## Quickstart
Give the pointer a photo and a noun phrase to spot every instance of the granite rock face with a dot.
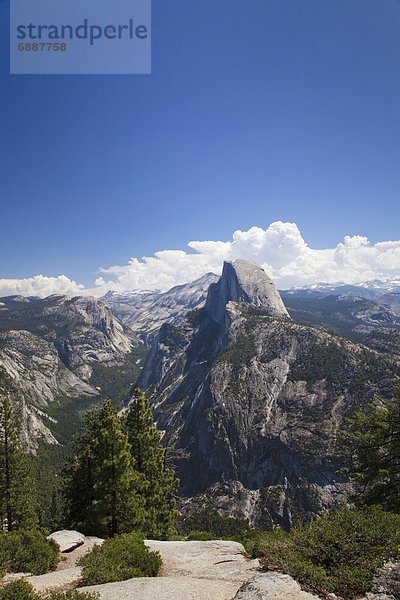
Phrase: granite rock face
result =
(48, 350)
(67, 539)
(191, 571)
(386, 584)
(251, 402)
(273, 585)
(244, 281)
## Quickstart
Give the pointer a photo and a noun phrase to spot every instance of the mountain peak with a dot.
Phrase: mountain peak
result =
(244, 281)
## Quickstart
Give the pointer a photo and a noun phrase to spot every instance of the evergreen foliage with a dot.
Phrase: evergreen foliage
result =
(157, 482)
(118, 481)
(19, 507)
(21, 590)
(197, 535)
(118, 559)
(18, 590)
(208, 520)
(72, 595)
(102, 487)
(339, 552)
(28, 552)
(372, 444)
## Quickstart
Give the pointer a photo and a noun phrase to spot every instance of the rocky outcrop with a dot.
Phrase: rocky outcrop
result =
(197, 570)
(273, 585)
(67, 540)
(386, 585)
(56, 580)
(165, 588)
(191, 570)
(251, 402)
(244, 281)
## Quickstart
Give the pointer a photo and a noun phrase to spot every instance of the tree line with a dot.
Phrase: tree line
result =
(117, 482)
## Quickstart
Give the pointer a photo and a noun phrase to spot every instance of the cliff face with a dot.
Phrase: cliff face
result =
(243, 281)
(251, 402)
(48, 350)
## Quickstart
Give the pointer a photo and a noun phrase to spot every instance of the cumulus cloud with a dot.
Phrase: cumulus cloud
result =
(280, 249)
(40, 286)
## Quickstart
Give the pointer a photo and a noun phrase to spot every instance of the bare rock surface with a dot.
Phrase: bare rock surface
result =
(56, 580)
(191, 571)
(214, 570)
(166, 588)
(220, 560)
(244, 281)
(69, 559)
(67, 540)
(386, 584)
(273, 586)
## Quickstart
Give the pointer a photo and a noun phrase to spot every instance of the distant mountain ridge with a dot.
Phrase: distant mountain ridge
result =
(51, 349)
(372, 289)
(249, 386)
(145, 311)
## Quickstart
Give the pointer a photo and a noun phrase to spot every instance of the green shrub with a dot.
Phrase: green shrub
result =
(119, 558)
(201, 536)
(18, 590)
(258, 542)
(28, 551)
(21, 590)
(210, 520)
(72, 595)
(340, 552)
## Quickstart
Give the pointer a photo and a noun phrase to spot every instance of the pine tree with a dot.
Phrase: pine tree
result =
(372, 448)
(157, 482)
(18, 498)
(102, 489)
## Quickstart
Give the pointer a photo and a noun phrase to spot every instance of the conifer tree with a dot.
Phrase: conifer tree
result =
(18, 499)
(103, 489)
(157, 482)
(372, 445)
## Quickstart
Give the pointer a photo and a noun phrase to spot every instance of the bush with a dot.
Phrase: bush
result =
(340, 552)
(211, 521)
(201, 536)
(119, 558)
(257, 542)
(21, 590)
(18, 590)
(28, 551)
(72, 595)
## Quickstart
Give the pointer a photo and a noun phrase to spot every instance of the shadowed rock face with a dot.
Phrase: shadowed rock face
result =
(251, 402)
(244, 281)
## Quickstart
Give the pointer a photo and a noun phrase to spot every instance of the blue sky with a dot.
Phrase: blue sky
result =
(256, 111)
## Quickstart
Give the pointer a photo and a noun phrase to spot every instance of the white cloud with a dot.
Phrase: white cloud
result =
(280, 249)
(40, 286)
